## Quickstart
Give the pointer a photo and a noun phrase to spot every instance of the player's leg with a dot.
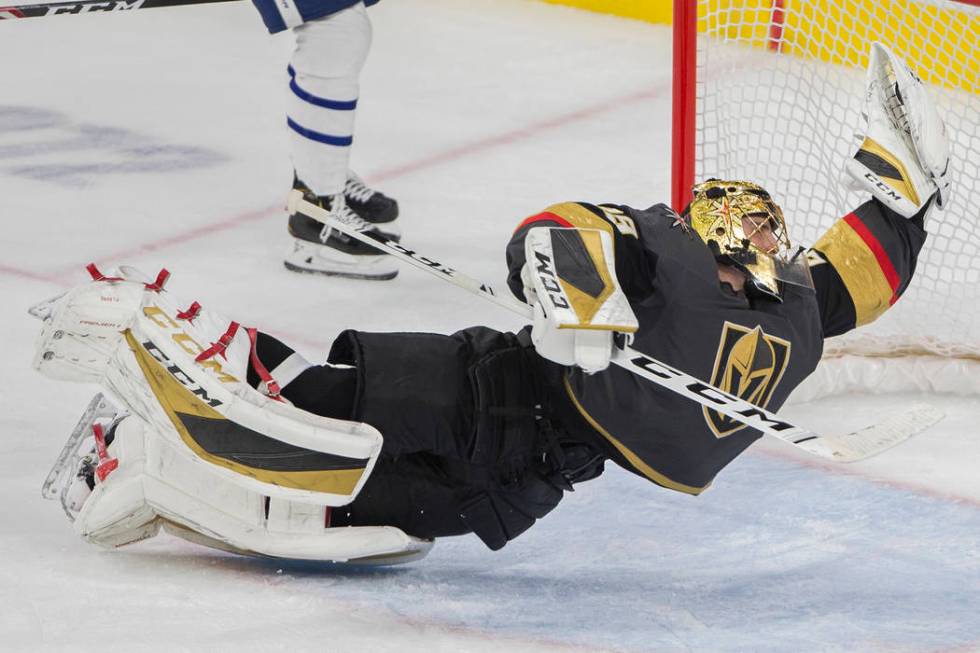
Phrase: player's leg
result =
(471, 444)
(431, 497)
(468, 445)
(422, 389)
(322, 100)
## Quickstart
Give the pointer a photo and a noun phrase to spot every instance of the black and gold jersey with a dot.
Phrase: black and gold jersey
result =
(755, 347)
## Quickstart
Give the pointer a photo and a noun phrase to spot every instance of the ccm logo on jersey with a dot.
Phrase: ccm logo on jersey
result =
(549, 280)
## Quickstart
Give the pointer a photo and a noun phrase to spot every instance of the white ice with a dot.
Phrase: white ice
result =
(156, 138)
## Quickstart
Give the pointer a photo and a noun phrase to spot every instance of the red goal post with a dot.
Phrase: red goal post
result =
(771, 91)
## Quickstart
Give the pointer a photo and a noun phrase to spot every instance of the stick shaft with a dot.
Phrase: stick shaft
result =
(846, 448)
(90, 6)
(640, 364)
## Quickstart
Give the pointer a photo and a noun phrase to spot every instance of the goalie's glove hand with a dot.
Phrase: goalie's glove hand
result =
(570, 281)
(903, 158)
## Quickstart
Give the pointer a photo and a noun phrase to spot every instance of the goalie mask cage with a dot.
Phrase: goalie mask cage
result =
(771, 91)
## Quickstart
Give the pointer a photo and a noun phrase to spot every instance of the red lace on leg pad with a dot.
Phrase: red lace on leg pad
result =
(220, 346)
(272, 387)
(156, 286)
(98, 276)
(106, 464)
(192, 311)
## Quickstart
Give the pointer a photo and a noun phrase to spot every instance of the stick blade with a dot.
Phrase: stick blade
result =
(873, 440)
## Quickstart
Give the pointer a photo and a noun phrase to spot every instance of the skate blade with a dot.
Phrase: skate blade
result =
(101, 408)
(345, 275)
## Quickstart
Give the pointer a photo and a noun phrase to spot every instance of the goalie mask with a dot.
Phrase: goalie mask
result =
(745, 228)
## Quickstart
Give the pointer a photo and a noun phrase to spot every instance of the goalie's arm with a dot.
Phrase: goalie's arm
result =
(863, 264)
(635, 265)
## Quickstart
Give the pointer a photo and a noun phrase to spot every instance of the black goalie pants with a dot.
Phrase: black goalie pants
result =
(469, 444)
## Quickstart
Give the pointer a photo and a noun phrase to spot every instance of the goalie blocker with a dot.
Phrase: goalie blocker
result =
(570, 282)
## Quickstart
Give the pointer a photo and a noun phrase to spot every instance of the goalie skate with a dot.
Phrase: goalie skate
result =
(73, 474)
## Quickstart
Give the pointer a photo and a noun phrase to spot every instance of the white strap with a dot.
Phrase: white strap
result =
(287, 371)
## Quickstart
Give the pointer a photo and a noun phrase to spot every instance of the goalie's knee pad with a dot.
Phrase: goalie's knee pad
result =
(903, 159)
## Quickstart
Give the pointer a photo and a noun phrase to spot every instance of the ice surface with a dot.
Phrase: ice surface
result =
(156, 138)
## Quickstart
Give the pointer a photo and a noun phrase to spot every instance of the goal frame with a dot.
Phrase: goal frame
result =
(684, 90)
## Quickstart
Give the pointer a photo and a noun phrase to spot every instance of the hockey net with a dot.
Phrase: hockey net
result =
(771, 91)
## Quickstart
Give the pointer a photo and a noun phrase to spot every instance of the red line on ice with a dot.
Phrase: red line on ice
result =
(516, 135)
(177, 239)
(27, 274)
(61, 276)
(842, 470)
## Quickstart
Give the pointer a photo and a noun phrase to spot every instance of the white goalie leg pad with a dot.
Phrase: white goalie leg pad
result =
(570, 280)
(158, 483)
(82, 328)
(903, 158)
(183, 372)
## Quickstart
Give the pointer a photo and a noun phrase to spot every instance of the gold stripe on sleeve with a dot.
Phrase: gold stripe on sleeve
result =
(579, 216)
(859, 269)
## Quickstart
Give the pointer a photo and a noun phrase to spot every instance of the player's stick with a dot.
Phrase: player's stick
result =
(845, 448)
(89, 6)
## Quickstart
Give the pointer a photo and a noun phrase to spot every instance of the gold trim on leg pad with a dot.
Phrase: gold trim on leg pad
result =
(225, 443)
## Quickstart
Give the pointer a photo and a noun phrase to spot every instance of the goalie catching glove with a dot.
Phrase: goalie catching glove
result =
(570, 281)
(201, 452)
(903, 159)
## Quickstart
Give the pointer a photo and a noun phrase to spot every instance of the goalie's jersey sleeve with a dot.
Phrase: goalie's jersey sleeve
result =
(756, 348)
(863, 264)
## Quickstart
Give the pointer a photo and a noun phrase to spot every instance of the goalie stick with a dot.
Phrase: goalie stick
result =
(90, 6)
(849, 447)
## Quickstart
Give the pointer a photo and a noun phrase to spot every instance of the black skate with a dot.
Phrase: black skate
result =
(372, 205)
(319, 249)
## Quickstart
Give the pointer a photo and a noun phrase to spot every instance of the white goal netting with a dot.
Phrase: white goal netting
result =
(779, 95)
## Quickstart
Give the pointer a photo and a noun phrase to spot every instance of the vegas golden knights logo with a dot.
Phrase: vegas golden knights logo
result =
(749, 365)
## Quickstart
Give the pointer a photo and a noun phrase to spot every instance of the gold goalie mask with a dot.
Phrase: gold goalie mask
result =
(744, 227)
